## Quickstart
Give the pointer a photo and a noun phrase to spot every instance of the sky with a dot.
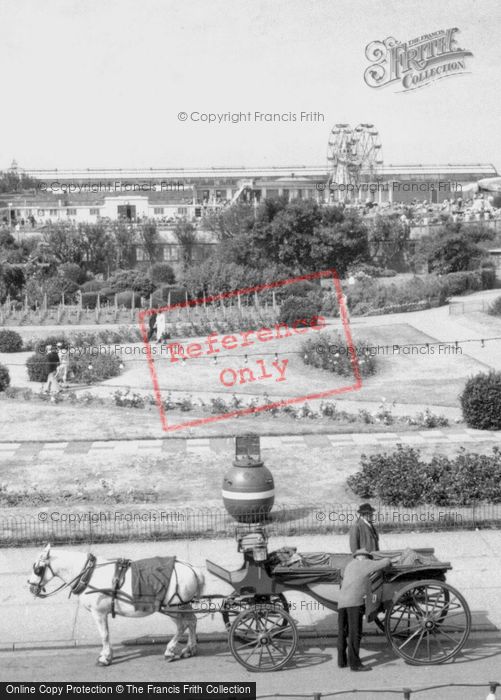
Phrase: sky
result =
(100, 83)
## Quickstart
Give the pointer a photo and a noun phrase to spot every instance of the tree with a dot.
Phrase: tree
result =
(150, 240)
(99, 247)
(12, 281)
(452, 249)
(231, 221)
(341, 244)
(186, 236)
(388, 238)
(124, 240)
(64, 243)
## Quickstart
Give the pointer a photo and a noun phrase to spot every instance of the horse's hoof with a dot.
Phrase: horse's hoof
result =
(103, 663)
(186, 654)
(171, 657)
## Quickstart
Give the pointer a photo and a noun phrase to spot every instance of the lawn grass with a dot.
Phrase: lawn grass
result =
(35, 421)
(180, 479)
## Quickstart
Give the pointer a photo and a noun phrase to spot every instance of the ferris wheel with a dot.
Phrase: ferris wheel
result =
(353, 155)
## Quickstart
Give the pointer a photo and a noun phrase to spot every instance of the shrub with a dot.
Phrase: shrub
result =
(330, 352)
(38, 367)
(488, 275)
(330, 305)
(295, 309)
(10, 341)
(72, 272)
(495, 307)
(481, 401)
(4, 378)
(402, 478)
(461, 282)
(162, 273)
(40, 344)
(89, 300)
(92, 286)
(131, 280)
(89, 367)
(129, 298)
(371, 270)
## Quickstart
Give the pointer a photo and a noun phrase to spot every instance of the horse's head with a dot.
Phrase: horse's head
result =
(42, 573)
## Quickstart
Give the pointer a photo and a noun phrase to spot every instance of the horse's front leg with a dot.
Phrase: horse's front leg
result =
(101, 619)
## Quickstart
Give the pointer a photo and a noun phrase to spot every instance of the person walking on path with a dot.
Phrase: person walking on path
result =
(160, 326)
(52, 385)
(152, 322)
(351, 608)
(362, 533)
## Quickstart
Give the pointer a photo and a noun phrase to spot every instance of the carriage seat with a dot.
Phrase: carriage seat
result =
(312, 567)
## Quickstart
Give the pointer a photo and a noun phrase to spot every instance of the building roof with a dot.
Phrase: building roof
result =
(274, 172)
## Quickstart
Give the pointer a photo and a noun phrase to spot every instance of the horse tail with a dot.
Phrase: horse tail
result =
(199, 574)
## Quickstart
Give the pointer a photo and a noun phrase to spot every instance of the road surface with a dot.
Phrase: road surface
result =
(314, 669)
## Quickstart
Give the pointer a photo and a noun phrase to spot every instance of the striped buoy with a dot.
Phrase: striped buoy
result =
(248, 491)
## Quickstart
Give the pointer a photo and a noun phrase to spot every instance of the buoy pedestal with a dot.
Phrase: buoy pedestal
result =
(248, 486)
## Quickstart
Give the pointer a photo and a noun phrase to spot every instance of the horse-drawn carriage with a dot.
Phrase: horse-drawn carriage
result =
(426, 621)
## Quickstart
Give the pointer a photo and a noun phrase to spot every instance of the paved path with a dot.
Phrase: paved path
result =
(206, 445)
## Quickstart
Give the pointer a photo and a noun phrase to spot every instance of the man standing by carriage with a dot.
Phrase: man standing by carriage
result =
(351, 607)
(363, 534)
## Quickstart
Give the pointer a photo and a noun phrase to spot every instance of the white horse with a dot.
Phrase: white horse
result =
(88, 576)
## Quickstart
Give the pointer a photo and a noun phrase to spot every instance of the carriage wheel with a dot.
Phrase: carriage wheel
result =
(428, 622)
(233, 606)
(263, 638)
(380, 619)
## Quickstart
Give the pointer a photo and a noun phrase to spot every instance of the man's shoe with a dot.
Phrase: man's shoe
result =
(342, 665)
(362, 668)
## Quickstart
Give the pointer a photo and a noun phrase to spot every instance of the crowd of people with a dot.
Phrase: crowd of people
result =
(425, 213)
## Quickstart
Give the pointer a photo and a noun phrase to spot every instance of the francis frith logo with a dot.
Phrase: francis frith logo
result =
(415, 63)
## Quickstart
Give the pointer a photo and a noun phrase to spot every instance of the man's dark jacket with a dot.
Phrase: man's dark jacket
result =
(363, 536)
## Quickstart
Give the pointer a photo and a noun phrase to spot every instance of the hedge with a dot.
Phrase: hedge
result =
(495, 307)
(295, 309)
(86, 367)
(4, 378)
(10, 341)
(38, 367)
(402, 478)
(481, 401)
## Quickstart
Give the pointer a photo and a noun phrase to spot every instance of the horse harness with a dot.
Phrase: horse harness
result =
(77, 585)
(82, 581)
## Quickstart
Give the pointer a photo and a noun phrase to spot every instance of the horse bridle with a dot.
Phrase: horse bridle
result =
(77, 584)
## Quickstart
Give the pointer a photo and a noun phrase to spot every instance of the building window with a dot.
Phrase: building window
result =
(41, 212)
(28, 212)
(198, 212)
(71, 212)
(94, 212)
(52, 212)
(139, 254)
(182, 210)
(158, 211)
(171, 253)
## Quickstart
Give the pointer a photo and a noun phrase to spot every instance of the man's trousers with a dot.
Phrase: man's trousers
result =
(350, 621)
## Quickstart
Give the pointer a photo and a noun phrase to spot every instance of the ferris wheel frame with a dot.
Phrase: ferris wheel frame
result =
(353, 155)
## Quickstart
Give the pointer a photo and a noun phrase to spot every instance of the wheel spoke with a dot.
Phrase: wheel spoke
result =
(408, 639)
(418, 643)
